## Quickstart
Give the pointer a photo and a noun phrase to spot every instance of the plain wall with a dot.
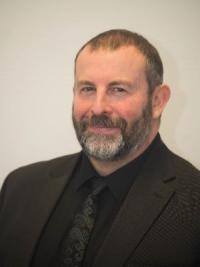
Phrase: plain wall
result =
(38, 42)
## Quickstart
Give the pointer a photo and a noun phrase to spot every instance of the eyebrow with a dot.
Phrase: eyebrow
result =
(113, 83)
(123, 82)
(84, 82)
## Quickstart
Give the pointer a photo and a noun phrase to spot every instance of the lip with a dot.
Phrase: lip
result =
(104, 130)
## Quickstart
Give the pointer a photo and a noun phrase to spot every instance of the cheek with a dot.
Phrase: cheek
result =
(79, 108)
(129, 116)
(129, 111)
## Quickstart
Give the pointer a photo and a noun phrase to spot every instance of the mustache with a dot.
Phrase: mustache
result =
(102, 121)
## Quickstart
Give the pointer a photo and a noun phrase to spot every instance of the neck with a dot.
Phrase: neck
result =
(105, 168)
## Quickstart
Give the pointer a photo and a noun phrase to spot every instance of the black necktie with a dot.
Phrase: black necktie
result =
(76, 241)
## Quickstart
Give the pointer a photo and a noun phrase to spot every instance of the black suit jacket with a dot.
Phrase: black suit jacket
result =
(158, 224)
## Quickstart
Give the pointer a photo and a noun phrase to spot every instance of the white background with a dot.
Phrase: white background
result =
(38, 42)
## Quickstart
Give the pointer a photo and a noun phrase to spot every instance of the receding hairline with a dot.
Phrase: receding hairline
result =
(116, 38)
(112, 40)
(90, 49)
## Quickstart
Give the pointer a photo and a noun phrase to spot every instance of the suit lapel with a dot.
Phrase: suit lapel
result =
(48, 191)
(143, 204)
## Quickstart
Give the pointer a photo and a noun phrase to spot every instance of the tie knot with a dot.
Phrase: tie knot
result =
(98, 184)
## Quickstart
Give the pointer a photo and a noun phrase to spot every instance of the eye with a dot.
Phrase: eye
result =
(87, 89)
(119, 90)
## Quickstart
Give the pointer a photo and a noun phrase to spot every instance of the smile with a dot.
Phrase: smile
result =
(103, 130)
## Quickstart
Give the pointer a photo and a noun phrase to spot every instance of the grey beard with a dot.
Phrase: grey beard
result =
(102, 147)
(113, 147)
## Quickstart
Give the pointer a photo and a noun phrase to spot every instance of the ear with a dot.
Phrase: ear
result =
(160, 98)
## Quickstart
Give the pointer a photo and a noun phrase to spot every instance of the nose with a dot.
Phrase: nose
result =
(101, 104)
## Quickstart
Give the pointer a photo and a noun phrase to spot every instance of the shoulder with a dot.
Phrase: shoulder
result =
(187, 179)
(183, 167)
(39, 170)
(171, 166)
(169, 159)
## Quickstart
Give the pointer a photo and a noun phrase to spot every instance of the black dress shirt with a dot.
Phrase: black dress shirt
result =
(61, 219)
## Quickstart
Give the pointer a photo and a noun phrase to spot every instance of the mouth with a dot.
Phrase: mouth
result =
(103, 130)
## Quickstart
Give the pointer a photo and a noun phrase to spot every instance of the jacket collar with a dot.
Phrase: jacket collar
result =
(145, 201)
(48, 189)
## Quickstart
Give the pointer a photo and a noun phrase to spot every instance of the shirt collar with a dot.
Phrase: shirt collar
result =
(85, 171)
(119, 181)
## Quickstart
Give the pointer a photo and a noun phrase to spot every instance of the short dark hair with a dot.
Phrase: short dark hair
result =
(116, 38)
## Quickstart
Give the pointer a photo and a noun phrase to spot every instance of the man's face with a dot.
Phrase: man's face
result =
(111, 110)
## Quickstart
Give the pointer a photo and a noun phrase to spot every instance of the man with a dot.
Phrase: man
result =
(148, 211)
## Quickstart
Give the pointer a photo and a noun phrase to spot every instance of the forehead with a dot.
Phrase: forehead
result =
(125, 60)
